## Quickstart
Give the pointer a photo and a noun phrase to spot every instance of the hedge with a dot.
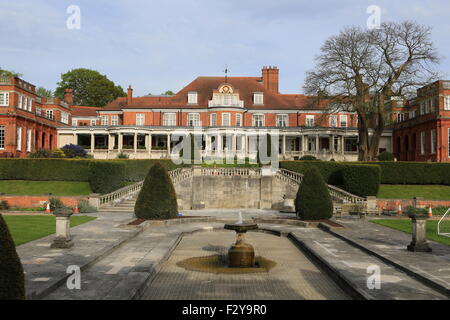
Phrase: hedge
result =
(399, 172)
(137, 170)
(106, 176)
(333, 173)
(362, 180)
(44, 169)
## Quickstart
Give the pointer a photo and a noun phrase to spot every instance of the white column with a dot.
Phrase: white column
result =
(342, 145)
(168, 145)
(120, 142)
(92, 143)
(317, 144)
(149, 143)
(332, 144)
(284, 144)
(135, 142)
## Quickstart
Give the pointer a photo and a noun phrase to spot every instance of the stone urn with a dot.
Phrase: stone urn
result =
(241, 254)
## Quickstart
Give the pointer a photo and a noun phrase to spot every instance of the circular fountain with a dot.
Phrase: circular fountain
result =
(241, 254)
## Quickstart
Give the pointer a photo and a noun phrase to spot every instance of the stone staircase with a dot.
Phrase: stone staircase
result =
(124, 206)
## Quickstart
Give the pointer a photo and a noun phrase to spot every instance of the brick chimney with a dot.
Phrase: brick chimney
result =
(130, 95)
(68, 96)
(270, 78)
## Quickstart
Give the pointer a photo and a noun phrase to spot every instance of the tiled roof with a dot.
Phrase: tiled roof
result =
(81, 111)
(204, 86)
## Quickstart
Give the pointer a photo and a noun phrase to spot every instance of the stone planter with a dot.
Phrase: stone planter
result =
(62, 239)
(419, 241)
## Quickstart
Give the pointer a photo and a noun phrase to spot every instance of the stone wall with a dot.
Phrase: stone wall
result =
(236, 191)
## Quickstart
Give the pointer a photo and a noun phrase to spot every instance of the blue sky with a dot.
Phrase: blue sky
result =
(163, 45)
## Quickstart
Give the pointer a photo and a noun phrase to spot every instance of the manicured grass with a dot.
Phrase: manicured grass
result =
(28, 228)
(57, 188)
(400, 191)
(405, 226)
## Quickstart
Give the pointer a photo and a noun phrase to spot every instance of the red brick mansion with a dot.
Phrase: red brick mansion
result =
(226, 112)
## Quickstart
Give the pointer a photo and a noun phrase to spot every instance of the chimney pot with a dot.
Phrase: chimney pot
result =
(130, 95)
(68, 96)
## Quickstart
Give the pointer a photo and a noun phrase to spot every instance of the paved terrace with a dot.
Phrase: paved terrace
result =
(134, 262)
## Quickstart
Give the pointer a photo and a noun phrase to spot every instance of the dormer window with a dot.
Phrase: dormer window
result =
(192, 97)
(258, 98)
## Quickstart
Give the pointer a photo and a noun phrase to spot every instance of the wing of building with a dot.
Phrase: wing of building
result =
(227, 113)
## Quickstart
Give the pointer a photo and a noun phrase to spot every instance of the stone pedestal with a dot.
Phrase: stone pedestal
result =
(62, 239)
(419, 238)
(241, 254)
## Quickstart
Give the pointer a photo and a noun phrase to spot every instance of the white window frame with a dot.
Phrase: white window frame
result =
(65, 117)
(74, 122)
(258, 120)
(104, 120)
(193, 119)
(19, 105)
(192, 97)
(115, 120)
(30, 104)
(333, 120)
(49, 114)
(343, 121)
(258, 98)
(2, 137)
(213, 119)
(28, 140)
(282, 120)
(93, 122)
(4, 99)
(19, 138)
(309, 120)
(400, 117)
(140, 119)
(433, 141)
(169, 119)
(238, 119)
(446, 102)
(422, 142)
(24, 103)
(227, 116)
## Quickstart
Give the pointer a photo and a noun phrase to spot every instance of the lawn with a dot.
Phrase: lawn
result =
(400, 191)
(28, 228)
(405, 226)
(56, 188)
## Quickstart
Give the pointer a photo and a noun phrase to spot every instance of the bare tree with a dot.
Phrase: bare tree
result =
(361, 70)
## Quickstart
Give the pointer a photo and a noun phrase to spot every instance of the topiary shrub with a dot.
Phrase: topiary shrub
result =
(386, 156)
(362, 180)
(313, 201)
(4, 205)
(308, 158)
(12, 279)
(157, 198)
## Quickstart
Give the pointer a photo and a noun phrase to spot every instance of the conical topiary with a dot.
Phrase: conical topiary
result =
(313, 201)
(12, 279)
(157, 199)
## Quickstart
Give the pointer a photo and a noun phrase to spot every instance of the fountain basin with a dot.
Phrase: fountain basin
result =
(241, 227)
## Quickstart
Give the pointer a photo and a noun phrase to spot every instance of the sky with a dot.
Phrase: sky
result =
(162, 45)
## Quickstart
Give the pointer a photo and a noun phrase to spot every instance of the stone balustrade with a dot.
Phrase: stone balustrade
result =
(230, 172)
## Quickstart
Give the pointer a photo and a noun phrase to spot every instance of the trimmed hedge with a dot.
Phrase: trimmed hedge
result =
(137, 170)
(44, 169)
(362, 180)
(313, 200)
(106, 176)
(399, 172)
(157, 198)
(331, 171)
(12, 278)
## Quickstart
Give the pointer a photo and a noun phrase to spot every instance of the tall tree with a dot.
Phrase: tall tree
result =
(9, 73)
(90, 88)
(41, 91)
(169, 93)
(360, 71)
